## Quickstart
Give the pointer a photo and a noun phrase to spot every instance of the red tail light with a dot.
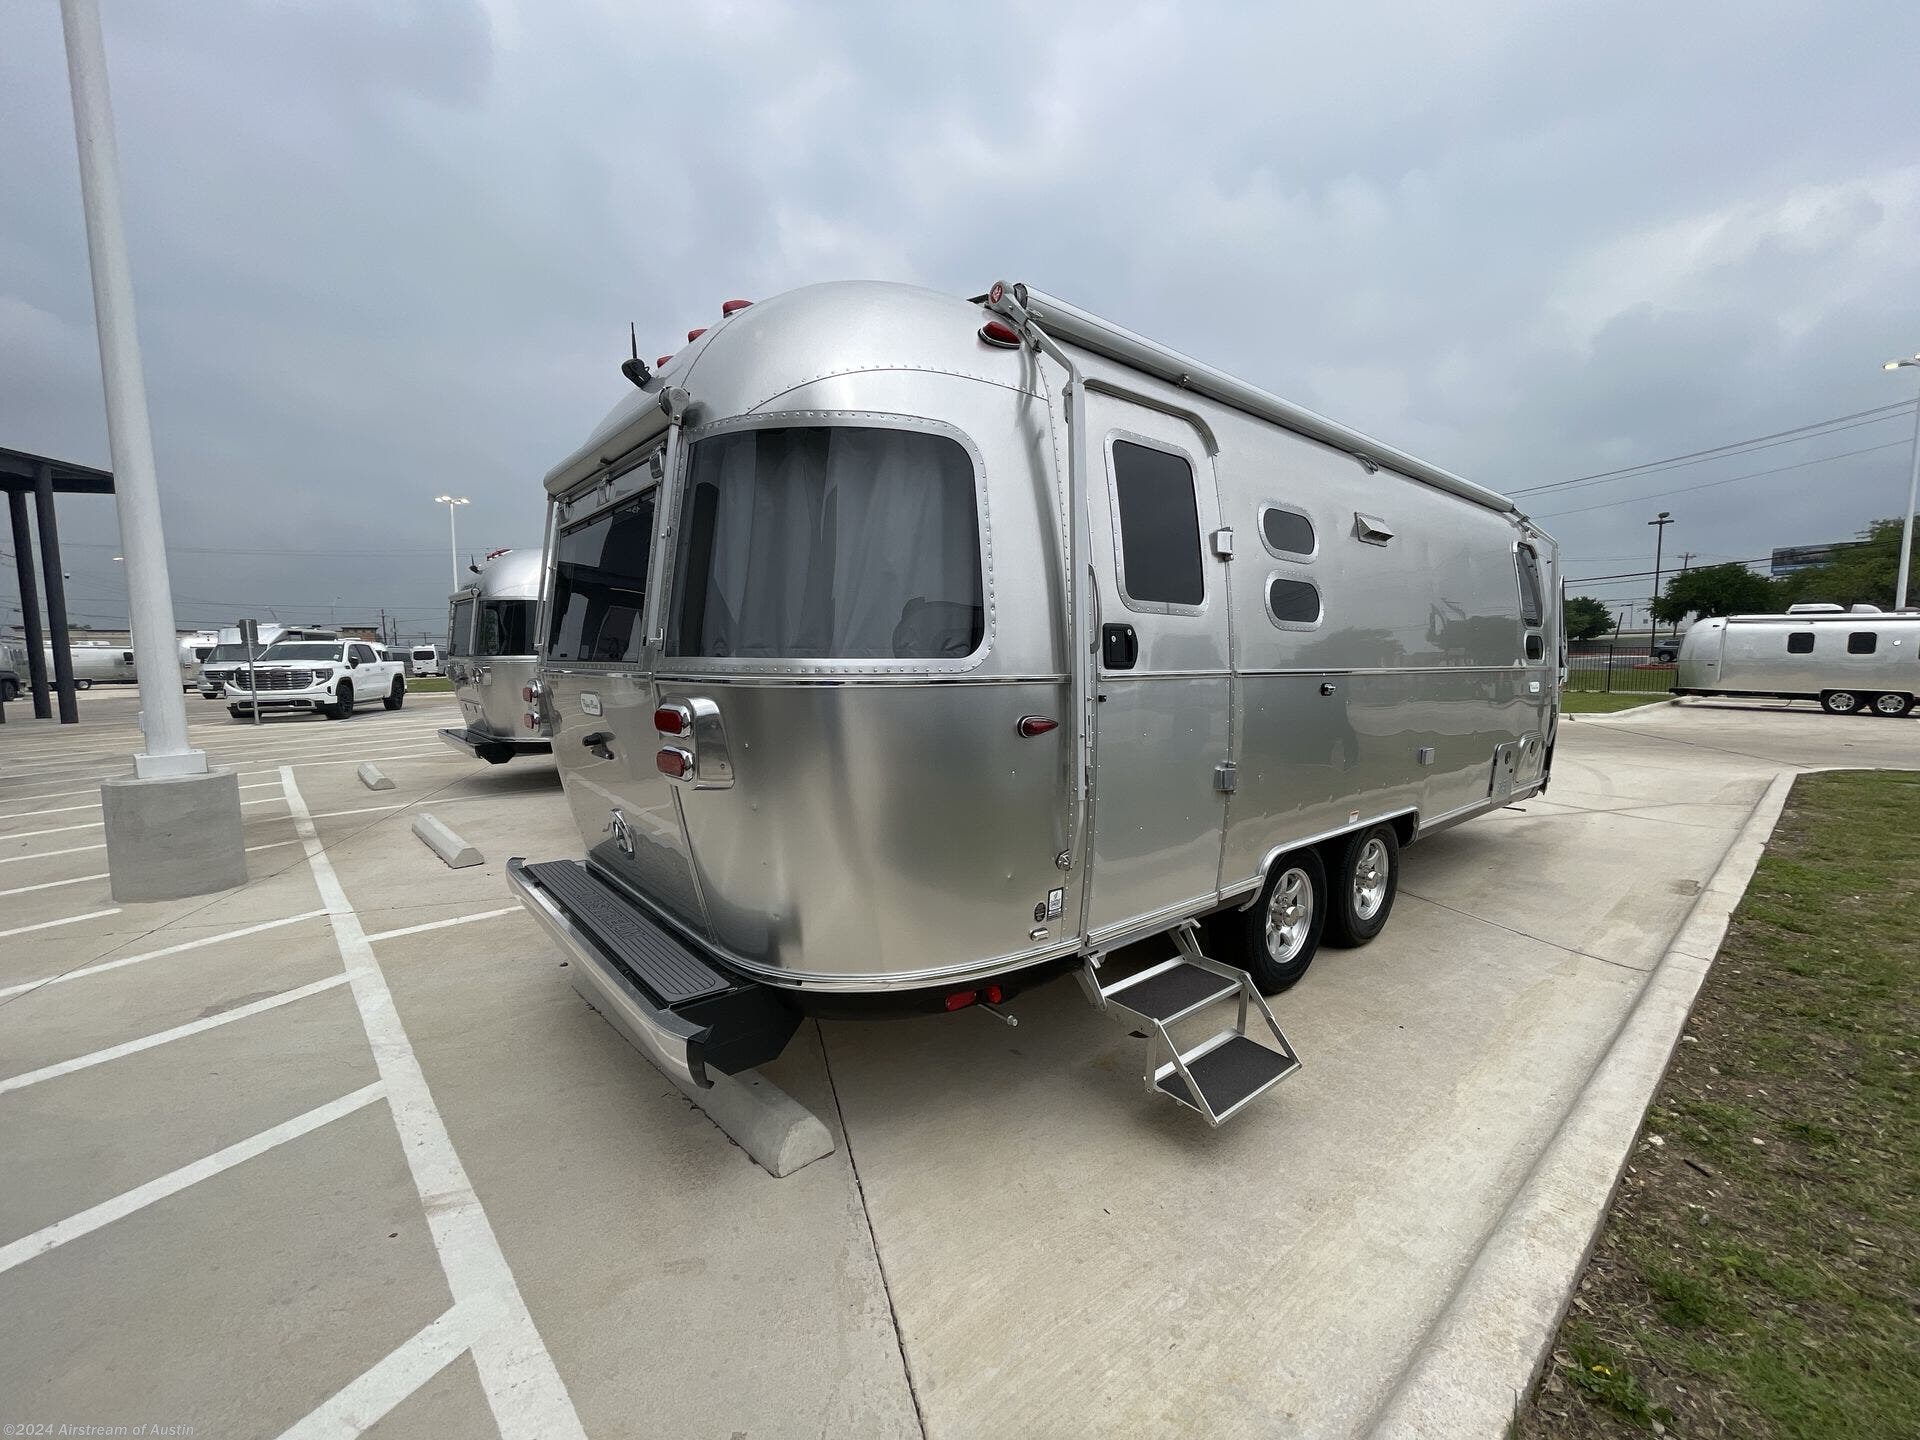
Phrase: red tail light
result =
(530, 720)
(1032, 725)
(993, 994)
(674, 763)
(670, 720)
(663, 362)
(996, 333)
(729, 306)
(960, 999)
(526, 693)
(693, 335)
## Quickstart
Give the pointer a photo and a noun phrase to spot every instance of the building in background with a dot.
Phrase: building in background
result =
(1789, 558)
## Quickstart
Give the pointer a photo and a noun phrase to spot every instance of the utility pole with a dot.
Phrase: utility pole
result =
(172, 827)
(1659, 539)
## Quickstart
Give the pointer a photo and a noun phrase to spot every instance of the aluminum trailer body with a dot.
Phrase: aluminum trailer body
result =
(902, 650)
(1861, 660)
(491, 660)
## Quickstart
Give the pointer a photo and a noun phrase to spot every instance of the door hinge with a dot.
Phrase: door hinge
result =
(1226, 775)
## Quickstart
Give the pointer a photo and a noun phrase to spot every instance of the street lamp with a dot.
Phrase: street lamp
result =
(453, 503)
(1659, 538)
(1913, 496)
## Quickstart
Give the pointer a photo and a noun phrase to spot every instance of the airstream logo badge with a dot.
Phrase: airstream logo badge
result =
(589, 703)
(622, 832)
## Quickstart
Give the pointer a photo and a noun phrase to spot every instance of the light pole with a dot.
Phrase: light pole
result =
(1913, 496)
(1659, 540)
(453, 503)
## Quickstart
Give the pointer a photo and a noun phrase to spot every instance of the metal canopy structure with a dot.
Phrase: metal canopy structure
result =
(44, 477)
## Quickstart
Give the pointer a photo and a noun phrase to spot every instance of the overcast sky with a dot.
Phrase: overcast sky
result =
(384, 249)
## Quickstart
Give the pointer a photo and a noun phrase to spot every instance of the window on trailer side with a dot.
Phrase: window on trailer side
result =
(1863, 642)
(1159, 526)
(1800, 643)
(600, 584)
(1533, 601)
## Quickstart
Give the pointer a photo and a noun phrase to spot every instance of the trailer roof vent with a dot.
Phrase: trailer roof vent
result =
(1815, 608)
(1369, 530)
(1865, 609)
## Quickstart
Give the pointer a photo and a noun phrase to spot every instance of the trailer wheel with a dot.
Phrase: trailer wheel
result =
(398, 694)
(1839, 702)
(1892, 706)
(1366, 878)
(1276, 939)
(343, 702)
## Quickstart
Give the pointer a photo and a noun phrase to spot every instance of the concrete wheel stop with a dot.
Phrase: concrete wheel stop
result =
(373, 777)
(443, 842)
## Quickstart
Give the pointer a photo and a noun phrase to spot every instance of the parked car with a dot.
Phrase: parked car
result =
(328, 676)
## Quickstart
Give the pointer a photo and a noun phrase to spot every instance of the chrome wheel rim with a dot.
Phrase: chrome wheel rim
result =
(1890, 704)
(1842, 701)
(1289, 915)
(1370, 879)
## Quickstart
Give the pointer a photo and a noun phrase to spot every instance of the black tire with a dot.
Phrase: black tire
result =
(9, 692)
(1839, 702)
(1366, 878)
(1893, 706)
(1241, 936)
(83, 684)
(343, 702)
(236, 712)
(397, 696)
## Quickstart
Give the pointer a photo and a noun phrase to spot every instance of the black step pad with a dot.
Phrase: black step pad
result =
(659, 961)
(1230, 1072)
(1172, 992)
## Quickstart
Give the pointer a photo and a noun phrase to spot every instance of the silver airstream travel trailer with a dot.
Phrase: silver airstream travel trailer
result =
(904, 650)
(1859, 660)
(490, 659)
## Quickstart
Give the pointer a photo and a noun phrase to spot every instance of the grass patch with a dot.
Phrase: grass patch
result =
(430, 685)
(1759, 1273)
(1586, 702)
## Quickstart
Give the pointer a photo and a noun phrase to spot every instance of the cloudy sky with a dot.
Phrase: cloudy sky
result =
(386, 248)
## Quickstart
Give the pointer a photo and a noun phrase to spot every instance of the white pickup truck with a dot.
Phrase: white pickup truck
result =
(330, 676)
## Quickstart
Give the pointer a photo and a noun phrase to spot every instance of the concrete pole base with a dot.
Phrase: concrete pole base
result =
(174, 836)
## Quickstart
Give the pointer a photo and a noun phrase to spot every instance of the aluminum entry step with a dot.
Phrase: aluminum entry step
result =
(1169, 991)
(673, 973)
(1230, 1070)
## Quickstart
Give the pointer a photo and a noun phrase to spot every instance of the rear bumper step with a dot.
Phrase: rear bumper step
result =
(482, 745)
(683, 1013)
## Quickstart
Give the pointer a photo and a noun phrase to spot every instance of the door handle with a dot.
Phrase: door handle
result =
(596, 741)
(1119, 647)
(1327, 688)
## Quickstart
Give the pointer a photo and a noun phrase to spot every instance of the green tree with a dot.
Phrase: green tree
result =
(1730, 589)
(1587, 618)
(1862, 575)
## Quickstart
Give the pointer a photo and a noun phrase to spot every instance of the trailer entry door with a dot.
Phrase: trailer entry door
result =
(1162, 682)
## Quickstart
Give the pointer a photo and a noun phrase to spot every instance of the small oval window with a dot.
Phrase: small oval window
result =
(1287, 532)
(1293, 602)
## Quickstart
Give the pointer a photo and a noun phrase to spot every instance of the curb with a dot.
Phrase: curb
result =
(1480, 1355)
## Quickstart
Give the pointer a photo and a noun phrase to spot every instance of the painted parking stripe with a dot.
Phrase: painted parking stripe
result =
(95, 805)
(182, 947)
(353, 1410)
(29, 1247)
(96, 824)
(55, 924)
(444, 924)
(523, 1389)
(162, 1037)
(54, 884)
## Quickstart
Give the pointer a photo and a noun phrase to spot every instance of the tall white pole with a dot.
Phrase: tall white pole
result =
(136, 491)
(453, 542)
(1906, 521)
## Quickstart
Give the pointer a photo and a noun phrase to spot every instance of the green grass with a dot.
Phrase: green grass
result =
(1586, 702)
(430, 685)
(1759, 1273)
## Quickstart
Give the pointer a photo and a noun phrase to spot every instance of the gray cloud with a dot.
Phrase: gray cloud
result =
(386, 249)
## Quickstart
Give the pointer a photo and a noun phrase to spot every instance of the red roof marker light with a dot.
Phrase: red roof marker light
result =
(693, 335)
(729, 306)
(1000, 335)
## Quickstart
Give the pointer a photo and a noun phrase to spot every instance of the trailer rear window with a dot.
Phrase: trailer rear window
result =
(829, 542)
(600, 584)
(1800, 643)
(1533, 599)
(1159, 526)
(1862, 642)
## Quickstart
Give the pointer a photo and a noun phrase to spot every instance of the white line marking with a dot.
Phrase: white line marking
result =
(424, 751)
(96, 824)
(161, 1037)
(69, 794)
(126, 960)
(54, 884)
(49, 854)
(443, 924)
(363, 1402)
(29, 1247)
(265, 819)
(54, 924)
(523, 1389)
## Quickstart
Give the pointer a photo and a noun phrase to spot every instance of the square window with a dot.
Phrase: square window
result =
(1800, 643)
(1862, 642)
(1159, 526)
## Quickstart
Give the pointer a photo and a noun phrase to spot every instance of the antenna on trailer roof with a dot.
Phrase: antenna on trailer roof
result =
(636, 368)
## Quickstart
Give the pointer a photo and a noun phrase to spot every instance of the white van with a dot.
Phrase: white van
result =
(425, 660)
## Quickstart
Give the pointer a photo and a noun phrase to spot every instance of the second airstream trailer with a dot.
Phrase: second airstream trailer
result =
(1851, 661)
(903, 651)
(490, 659)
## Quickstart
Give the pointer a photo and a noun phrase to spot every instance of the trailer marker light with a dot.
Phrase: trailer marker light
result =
(1032, 725)
(693, 335)
(993, 994)
(530, 720)
(960, 999)
(674, 763)
(670, 720)
(997, 334)
(727, 307)
(662, 362)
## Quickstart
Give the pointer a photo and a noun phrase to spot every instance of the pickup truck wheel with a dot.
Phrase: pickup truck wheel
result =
(397, 696)
(343, 701)
(236, 711)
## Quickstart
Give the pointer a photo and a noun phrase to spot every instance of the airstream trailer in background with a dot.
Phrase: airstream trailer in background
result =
(490, 659)
(902, 651)
(1864, 659)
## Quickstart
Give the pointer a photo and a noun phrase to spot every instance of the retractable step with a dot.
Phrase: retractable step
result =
(1220, 1075)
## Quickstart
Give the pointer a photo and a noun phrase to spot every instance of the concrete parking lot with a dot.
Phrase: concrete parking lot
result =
(342, 1153)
